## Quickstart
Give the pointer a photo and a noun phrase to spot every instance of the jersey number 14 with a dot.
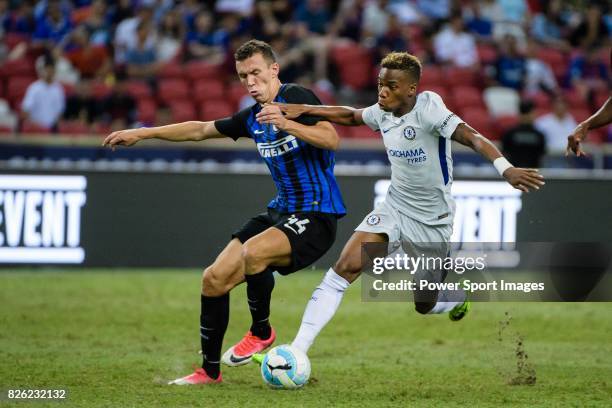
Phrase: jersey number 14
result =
(296, 225)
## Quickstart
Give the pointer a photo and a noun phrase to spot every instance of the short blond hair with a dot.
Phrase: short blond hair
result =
(405, 62)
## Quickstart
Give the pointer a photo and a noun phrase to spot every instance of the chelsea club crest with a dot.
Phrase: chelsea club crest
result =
(409, 133)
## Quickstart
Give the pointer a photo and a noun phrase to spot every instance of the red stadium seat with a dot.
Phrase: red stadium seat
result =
(504, 123)
(552, 57)
(147, 111)
(100, 90)
(171, 69)
(101, 128)
(363, 132)
(12, 39)
(487, 54)
(138, 89)
(541, 100)
(68, 89)
(479, 119)
(5, 131)
(19, 67)
(579, 114)
(73, 127)
(460, 77)
(601, 98)
(575, 100)
(325, 96)
(196, 70)
(213, 110)
(431, 76)
(32, 128)
(182, 110)
(354, 64)
(208, 89)
(169, 89)
(467, 97)
(17, 87)
(235, 93)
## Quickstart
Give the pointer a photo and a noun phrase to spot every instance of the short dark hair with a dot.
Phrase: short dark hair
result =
(403, 61)
(252, 47)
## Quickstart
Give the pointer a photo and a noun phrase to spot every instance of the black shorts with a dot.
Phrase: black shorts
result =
(310, 234)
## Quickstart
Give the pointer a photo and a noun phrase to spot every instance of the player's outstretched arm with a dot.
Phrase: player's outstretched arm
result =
(322, 134)
(178, 132)
(600, 118)
(521, 179)
(342, 115)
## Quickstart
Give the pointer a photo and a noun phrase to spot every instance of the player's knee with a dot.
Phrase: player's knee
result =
(253, 261)
(348, 268)
(423, 307)
(214, 283)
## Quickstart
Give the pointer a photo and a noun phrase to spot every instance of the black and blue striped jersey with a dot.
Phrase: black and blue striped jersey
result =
(303, 173)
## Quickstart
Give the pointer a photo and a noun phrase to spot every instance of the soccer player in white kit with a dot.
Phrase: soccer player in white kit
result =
(417, 130)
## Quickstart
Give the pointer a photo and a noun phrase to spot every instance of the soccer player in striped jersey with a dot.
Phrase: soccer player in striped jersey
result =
(417, 130)
(299, 225)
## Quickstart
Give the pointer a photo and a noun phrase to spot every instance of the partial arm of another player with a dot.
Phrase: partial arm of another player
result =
(342, 115)
(321, 135)
(521, 179)
(178, 132)
(600, 118)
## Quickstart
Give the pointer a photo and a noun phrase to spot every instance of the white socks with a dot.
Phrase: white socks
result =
(320, 309)
(443, 305)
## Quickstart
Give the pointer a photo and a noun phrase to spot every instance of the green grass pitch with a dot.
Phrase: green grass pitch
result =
(114, 338)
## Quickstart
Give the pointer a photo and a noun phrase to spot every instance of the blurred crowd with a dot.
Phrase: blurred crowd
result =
(82, 66)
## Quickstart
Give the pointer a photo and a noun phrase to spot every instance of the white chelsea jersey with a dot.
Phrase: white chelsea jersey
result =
(419, 148)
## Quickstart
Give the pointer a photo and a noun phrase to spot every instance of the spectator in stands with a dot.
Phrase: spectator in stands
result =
(524, 145)
(118, 108)
(44, 100)
(435, 9)
(588, 73)
(271, 19)
(53, 27)
(376, 17)
(126, 33)
(556, 126)
(507, 16)
(314, 15)
(406, 12)
(98, 23)
(477, 23)
(548, 27)
(592, 31)
(22, 20)
(511, 65)
(242, 7)
(204, 42)
(392, 40)
(455, 46)
(91, 61)
(348, 21)
(80, 103)
(538, 74)
(141, 59)
(171, 36)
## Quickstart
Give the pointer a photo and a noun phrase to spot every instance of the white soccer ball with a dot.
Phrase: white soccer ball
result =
(285, 367)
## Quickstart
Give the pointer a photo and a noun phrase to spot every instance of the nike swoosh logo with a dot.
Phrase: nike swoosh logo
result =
(259, 132)
(235, 359)
(385, 130)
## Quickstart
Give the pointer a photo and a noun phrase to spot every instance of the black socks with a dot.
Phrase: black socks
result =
(259, 292)
(214, 316)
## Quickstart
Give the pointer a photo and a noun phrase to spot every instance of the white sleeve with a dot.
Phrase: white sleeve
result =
(371, 116)
(28, 100)
(437, 116)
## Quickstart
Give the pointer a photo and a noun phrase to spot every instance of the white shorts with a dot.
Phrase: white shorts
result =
(398, 227)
